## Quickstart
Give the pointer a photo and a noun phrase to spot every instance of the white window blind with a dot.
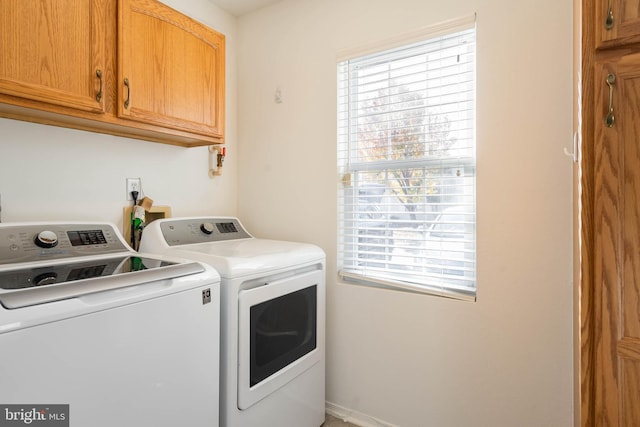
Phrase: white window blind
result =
(406, 158)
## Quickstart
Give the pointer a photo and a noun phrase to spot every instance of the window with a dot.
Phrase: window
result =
(406, 158)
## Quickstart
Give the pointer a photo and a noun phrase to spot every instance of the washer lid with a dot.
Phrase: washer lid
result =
(33, 285)
(237, 258)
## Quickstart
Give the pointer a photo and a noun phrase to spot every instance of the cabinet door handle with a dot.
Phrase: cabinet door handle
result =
(608, 23)
(126, 101)
(611, 82)
(99, 94)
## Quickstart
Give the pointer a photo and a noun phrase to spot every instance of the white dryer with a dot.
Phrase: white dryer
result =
(272, 319)
(94, 334)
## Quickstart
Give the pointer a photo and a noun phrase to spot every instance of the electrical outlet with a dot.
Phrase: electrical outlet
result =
(134, 184)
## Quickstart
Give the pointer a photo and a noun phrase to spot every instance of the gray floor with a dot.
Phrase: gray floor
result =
(332, 421)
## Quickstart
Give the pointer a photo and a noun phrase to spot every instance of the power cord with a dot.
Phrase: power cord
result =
(134, 196)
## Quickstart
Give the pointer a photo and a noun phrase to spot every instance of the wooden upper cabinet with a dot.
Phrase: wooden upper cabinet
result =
(170, 69)
(54, 52)
(617, 22)
(65, 63)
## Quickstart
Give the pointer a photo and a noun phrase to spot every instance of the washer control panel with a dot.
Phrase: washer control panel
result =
(202, 230)
(37, 242)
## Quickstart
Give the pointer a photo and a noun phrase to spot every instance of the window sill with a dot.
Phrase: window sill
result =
(376, 282)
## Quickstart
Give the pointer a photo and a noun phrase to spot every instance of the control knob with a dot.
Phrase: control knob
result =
(46, 239)
(206, 228)
(44, 279)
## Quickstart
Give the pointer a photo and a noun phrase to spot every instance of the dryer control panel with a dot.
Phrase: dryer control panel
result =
(201, 230)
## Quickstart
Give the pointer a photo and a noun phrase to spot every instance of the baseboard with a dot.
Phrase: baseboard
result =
(355, 417)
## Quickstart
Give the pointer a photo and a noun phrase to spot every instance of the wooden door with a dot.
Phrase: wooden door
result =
(617, 242)
(617, 22)
(170, 69)
(54, 51)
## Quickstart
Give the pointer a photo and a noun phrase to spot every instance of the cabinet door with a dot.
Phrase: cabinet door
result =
(617, 22)
(617, 242)
(54, 51)
(170, 69)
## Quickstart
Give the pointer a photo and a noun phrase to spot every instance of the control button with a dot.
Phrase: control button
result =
(14, 248)
(43, 279)
(46, 239)
(206, 228)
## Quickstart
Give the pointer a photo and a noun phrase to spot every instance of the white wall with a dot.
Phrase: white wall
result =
(407, 359)
(50, 173)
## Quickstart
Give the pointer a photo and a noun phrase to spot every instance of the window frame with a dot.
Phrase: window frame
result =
(347, 169)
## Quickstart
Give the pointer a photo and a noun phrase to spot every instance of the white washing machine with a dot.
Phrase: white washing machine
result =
(272, 319)
(95, 334)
